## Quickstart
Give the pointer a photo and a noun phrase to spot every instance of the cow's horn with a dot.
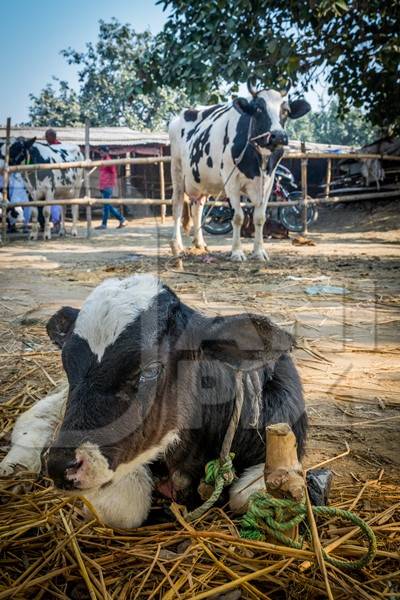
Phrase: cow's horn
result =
(287, 88)
(251, 87)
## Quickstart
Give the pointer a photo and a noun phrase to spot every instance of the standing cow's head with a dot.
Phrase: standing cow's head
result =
(131, 355)
(19, 150)
(269, 111)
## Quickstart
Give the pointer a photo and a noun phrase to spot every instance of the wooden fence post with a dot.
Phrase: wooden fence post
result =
(87, 181)
(6, 177)
(304, 163)
(162, 191)
(328, 178)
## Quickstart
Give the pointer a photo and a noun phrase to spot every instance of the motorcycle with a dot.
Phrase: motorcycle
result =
(217, 220)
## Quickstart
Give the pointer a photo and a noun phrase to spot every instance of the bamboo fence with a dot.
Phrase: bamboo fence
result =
(304, 156)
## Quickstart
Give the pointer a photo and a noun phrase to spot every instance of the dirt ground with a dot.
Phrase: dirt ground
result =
(348, 342)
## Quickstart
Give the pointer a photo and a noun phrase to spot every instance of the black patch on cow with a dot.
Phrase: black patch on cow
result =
(207, 148)
(274, 159)
(222, 164)
(226, 137)
(210, 110)
(182, 132)
(191, 114)
(209, 162)
(197, 152)
(250, 160)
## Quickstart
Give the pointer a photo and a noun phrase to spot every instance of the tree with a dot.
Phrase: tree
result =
(355, 44)
(324, 127)
(55, 107)
(109, 86)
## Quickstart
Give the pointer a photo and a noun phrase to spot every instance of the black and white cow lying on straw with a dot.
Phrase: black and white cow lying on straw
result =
(150, 380)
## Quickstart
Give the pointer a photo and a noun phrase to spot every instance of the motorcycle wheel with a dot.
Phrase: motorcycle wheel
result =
(291, 217)
(218, 220)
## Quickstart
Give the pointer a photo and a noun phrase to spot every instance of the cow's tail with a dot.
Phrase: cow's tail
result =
(187, 221)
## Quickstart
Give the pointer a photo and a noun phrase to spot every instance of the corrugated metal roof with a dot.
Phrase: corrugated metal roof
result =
(124, 136)
(112, 136)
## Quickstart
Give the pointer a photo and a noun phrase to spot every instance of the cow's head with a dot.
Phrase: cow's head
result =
(269, 111)
(131, 355)
(19, 150)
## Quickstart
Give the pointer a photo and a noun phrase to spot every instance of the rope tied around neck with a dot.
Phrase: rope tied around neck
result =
(220, 472)
(271, 516)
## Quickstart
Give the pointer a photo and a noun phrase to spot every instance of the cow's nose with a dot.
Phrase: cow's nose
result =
(62, 467)
(278, 138)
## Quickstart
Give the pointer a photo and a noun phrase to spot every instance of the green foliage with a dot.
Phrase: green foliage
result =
(325, 127)
(111, 92)
(55, 107)
(354, 43)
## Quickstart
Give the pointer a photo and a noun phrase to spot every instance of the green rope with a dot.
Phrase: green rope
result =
(219, 474)
(275, 516)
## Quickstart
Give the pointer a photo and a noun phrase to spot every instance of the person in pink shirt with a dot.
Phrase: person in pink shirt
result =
(107, 181)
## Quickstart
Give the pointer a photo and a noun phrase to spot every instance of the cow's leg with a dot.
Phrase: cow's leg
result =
(259, 218)
(75, 218)
(62, 221)
(35, 224)
(47, 228)
(197, 224)
(252, 480)
(125, 503)
(33, 432)
(177, 203)
(237, 222)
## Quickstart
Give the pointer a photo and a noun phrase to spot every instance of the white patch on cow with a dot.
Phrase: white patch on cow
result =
(125, 503)
(252, 480)
(148, 456)
(33, 432)
(94, 470)
(273, 101)
(112, 306)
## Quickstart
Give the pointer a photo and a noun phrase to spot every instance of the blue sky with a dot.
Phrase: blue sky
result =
(34, 32)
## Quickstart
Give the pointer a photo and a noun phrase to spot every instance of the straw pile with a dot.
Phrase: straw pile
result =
(49, 550)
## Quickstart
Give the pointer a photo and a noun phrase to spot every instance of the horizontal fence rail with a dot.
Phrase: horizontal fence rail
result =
(90, 164)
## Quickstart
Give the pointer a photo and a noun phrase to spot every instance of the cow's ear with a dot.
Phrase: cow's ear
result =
(243, 105)
(245, 341)
(298, 108)
(61, 324)
(29, 143)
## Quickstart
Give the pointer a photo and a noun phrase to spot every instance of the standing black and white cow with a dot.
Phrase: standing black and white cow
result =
(149, 378)
(232, 148)
(47, 185)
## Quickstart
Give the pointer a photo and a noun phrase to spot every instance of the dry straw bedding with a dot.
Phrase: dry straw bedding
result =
(49, 550)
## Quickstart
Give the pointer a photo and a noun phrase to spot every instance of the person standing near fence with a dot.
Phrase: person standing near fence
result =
(55, 210)
(107, 181)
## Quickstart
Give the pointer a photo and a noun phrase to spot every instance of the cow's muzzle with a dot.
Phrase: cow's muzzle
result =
(83, 468)
(277, 138)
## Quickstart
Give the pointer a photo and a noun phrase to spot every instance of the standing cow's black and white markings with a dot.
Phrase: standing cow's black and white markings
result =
(232, 148)
(151, 379)
(47, 185)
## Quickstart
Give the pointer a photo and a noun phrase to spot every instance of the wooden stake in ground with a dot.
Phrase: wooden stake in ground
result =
(283, 473)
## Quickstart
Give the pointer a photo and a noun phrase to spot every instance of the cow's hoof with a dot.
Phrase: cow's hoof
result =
(33, 237)
(62, 233)
(6, 468)
(74, 232)
(47, 236)
(176, 248)
(238, 256)
(198, 250)
(260, 255)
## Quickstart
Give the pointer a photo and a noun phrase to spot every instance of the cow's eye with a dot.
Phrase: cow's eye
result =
(151, 372)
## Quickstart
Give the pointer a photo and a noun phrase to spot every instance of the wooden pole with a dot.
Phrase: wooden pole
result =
(6, 178)
(328, 178)
(162, 191)
(87, 181)
(304, 162)
(283, 473)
